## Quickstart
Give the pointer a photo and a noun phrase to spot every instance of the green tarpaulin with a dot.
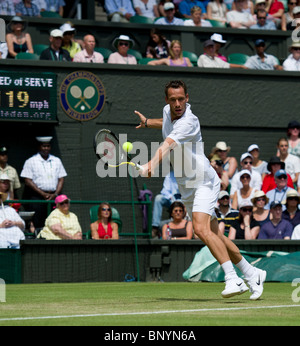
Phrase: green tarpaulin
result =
(280, 266)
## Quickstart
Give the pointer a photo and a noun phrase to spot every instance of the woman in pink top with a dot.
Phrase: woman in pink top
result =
(175, 59)
(123, 43)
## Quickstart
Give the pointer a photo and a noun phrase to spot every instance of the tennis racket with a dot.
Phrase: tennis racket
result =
(108, 149)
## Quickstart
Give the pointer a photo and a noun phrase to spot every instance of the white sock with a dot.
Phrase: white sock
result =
(246, 268)
(229, 271)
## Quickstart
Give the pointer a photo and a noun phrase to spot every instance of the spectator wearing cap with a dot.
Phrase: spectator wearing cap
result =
(27, 8)
(55, 52)
(277, 227)
(260, 213)
(292, 211)
(293, 133)
(122, 43)
(119, 10)
(68, 42)
(255, 182)
(288, 16)
(296, 15)
(262, 61)
(279, 193)
(169, 18)
(8, 170)
(292, 162)
(276, 9)
(185, 7)
(5, 183)
(269, 181)
(230, 164)
(216, 10)
(258, 165)
(292, 62)
(209, 59)
(245, 226)
(196, 20)
(44, 179)
(262, 23)
(225, 213)
(219, 43)
(238, 18)
(61, 223)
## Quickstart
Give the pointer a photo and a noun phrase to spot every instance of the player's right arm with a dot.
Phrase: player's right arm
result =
(151, 123)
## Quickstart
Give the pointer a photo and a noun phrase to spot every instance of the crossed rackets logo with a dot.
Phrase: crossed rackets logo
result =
(87, 94)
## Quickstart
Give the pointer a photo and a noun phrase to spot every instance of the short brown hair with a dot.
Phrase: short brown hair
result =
(175, 84)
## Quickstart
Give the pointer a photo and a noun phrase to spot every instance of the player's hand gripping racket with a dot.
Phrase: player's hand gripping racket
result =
(108, 149)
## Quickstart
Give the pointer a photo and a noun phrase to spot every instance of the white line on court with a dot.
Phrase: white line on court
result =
(149, 312)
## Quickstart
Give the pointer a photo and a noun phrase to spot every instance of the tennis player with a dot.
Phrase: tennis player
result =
(200, 190)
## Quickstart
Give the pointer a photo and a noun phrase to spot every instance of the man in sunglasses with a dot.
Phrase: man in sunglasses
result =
(262, 61)
(262, 22)
(255, 182)
(292, 63)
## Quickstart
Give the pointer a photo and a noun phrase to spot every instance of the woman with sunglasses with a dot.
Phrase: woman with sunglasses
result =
(122, 43)
(245, 227)
(104, 227)
(292, 212)
(61, 223)
(260, 214)
(244, 193)
(179, 227)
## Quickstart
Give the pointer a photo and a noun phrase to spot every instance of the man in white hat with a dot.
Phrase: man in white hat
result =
(122, 43)
(292, 62)
(119, 10)
(8, 170)
(255, 182)
(55, 52)
(44, 179)
(169, 18)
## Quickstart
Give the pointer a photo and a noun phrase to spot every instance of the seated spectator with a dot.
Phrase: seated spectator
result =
(216, 10)
(41, 4)
(55, 52)
(222, 174)
(158, 45)
(104, 227)
(257, 164)
(5, 186)
(88, 54)
(276, 9)
(119, 10)
(168, 195)
(179, 227)
(55, 6)
(255, 182)
(176, 58)
(246, 192)
(293, 134)
(196, 20)
(262, 22)
(273, 166)
(27, 8)
(277, 227)
(185, 7)
(169, 18)
(18, 40)
(292, 211)
(292, 162)
(288, 16)
(146, 8)
(281, 189)
(68, 42)
(293, 24)
(248, 7)
(292, 62)
(122, 43)
(208, 59)
(219, 43)
(7, 8)
(61, 223)
(230, 164)
(260, 213)
(262, 61)
(245, 227)
(3, 50)
(11, 226)
(225, 213)
(238, 18)
(296, 233)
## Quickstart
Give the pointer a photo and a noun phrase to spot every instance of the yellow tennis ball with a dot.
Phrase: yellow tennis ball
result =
(127, 147)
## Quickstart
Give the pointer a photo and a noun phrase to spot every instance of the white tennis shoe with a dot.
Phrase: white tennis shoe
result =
(233, 287)
(256, 283)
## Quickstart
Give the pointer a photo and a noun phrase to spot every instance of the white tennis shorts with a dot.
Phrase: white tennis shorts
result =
(201, 199)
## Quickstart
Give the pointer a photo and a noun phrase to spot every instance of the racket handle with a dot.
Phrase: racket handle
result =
(138, 167)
